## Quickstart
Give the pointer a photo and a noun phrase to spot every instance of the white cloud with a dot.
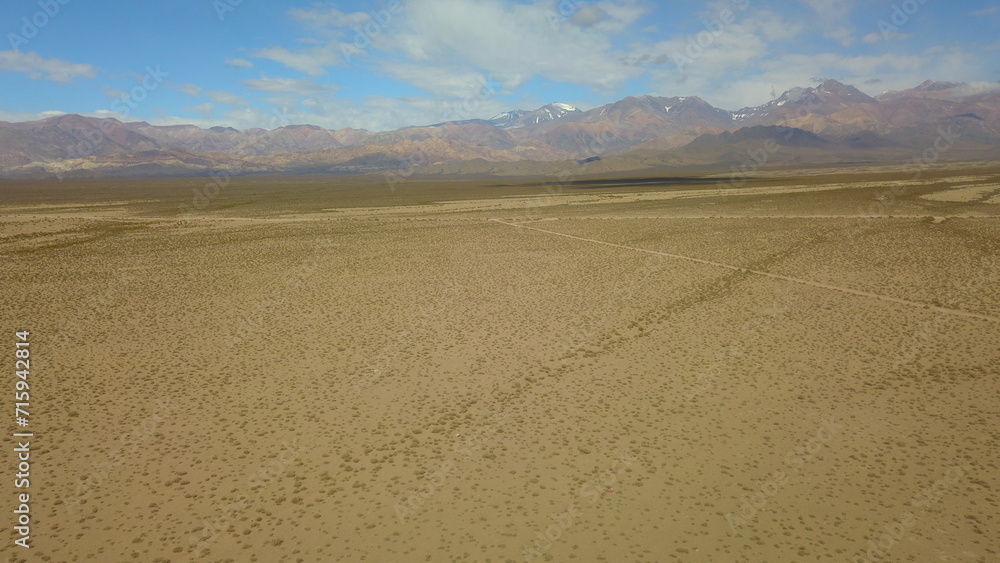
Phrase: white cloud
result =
(235, 62)
(588, 16)
(226, 98)
(311, 61)
(37, 67)
(513, 42)
(346, 35)
(984, 12)
(21, 117)
(694, 62)
(114, 93)
(762, 53)
(205, 110)
(869, 73)
(329, 17)
(106, 113)
(623, 13)
(471, 59)
(375, 113)
(873, 38)
(719, 78)
(189, 89)
(771, 26)
(973, 88)
(297, 86)
(834, 18)
(438, 80)
(384, 113)
(437, 45)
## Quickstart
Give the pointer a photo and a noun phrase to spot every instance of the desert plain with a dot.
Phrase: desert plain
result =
(802, 365)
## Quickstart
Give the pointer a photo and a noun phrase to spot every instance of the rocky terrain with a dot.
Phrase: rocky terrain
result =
(835, 123)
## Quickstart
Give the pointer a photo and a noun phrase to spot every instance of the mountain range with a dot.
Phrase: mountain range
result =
(828, 123)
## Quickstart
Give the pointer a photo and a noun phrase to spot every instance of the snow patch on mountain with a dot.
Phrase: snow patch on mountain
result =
(522, 118)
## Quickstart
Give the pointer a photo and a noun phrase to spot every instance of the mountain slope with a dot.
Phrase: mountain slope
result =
(830, 122)
(522, 118)
(828, 98)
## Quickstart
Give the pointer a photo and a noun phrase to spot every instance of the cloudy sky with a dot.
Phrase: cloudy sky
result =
(383, 64)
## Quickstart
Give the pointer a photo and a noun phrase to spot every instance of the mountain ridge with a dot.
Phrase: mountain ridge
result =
(830, 112)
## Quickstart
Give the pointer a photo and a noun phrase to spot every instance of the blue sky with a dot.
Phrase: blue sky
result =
(383, 64)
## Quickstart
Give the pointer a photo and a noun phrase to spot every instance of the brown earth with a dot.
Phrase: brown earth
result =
(327, 369)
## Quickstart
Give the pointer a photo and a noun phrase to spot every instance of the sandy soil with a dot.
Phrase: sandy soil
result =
(977, 192)
(452, 373)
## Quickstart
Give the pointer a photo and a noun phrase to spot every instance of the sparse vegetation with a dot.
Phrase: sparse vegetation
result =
(486, 377)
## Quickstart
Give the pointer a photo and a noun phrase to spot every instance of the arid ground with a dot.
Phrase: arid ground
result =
(803, 366)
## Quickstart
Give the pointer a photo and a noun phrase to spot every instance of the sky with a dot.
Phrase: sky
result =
(384, 64)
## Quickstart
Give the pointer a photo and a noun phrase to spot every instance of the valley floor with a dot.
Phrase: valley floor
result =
(804, 367)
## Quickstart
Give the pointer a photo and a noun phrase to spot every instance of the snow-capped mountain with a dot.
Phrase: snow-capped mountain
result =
(846, 119)
(522, 118)
(827, 98)
(507, 118)
(749, 113)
